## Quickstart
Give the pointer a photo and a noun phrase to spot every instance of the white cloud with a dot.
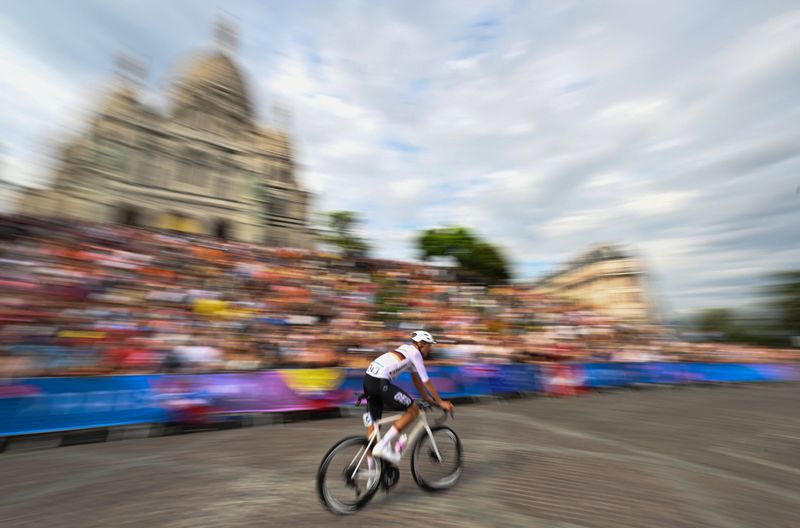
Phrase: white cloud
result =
(637, 110)
(607, 179)
(659, 203)
(571, 223)
(409, 190)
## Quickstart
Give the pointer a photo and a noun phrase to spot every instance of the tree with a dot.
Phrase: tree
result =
(340, 232)
(785, 298)
(715, 320)
(773, 327)
(388, 301)
(476, 258)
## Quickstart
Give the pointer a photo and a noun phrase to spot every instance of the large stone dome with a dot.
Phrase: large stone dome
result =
(211, 76)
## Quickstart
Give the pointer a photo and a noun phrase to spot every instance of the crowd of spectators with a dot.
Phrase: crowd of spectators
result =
(88, 299)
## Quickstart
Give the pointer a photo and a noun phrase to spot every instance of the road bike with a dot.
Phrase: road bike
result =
(345, 482)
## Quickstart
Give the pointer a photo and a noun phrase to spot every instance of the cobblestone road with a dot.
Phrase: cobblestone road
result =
(725, 457)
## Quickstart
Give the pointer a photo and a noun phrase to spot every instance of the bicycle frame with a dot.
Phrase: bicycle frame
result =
(419, 426)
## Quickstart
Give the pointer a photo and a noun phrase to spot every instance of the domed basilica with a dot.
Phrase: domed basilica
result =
(203, 166)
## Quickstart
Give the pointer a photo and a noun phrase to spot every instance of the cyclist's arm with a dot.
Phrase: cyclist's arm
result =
(421, 388)
(419, 368)
(436, 398)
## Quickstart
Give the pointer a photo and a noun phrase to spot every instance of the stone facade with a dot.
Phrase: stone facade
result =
(9, 195)
(204, 165)
(609, 279)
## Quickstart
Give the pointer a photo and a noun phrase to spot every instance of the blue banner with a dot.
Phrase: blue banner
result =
(605, 375)
(621, 374)
(41, 405)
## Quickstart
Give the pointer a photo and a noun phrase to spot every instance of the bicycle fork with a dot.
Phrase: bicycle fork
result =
(433, 442)
(417, 430)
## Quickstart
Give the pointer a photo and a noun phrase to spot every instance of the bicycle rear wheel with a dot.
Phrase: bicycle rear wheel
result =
(429, 471)
(344, 481)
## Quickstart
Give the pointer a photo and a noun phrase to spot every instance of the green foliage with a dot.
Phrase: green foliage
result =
(785, 298)
(759, 329)
(340, 232)
(715, 320)
(388, 301)
(476, 258)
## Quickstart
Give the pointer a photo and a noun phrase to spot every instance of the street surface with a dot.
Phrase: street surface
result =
(726, 457)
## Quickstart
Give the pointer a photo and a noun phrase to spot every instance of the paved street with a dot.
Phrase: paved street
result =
(725, 457)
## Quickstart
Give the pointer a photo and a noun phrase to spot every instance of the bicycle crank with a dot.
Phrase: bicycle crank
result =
(391, 474)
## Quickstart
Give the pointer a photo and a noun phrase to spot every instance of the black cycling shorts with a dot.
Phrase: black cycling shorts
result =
(382, 394)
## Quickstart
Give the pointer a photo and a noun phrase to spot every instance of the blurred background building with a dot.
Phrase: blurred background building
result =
(9, 194)
(608, 278)
(8, 188)
(203, 166)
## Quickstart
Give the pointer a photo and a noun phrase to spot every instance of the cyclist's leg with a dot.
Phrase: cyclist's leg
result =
(408, 417)
(375, 409)
(396, 399)
(372, 388)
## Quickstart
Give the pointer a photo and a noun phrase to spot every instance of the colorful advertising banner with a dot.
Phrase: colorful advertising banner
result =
(39, 405)
(267, 391)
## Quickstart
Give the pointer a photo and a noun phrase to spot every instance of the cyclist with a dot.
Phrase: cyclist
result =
(381, 393)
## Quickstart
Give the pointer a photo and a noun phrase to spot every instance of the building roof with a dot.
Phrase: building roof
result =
(596, 253)
(212, 70)
(120, 100)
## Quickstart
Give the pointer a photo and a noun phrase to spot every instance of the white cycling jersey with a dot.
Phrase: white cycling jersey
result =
(389, 365)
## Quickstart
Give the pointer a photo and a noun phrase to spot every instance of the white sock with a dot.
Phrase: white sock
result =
(390, 435)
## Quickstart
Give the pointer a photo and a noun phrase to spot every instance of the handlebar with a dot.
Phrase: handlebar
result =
(427, 406)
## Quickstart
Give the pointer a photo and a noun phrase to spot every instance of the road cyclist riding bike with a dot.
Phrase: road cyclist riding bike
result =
(383, 394)
(354, 468)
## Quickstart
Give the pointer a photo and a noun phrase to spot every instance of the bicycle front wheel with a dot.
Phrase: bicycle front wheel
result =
(437, 460)
(344, 481)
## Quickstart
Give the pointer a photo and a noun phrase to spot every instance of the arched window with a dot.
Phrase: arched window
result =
(129, 215)
(278, 207)
(199, 171)
(184, 171)
(227, 180)
(222, 229)
(147, 165)
(124, 155)
(108, 154)
(194, 169)
(221, 186)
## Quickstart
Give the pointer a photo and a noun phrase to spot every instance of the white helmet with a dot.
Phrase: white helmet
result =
(422, 335)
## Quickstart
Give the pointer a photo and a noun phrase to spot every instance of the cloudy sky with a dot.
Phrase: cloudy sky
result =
(672, 127)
